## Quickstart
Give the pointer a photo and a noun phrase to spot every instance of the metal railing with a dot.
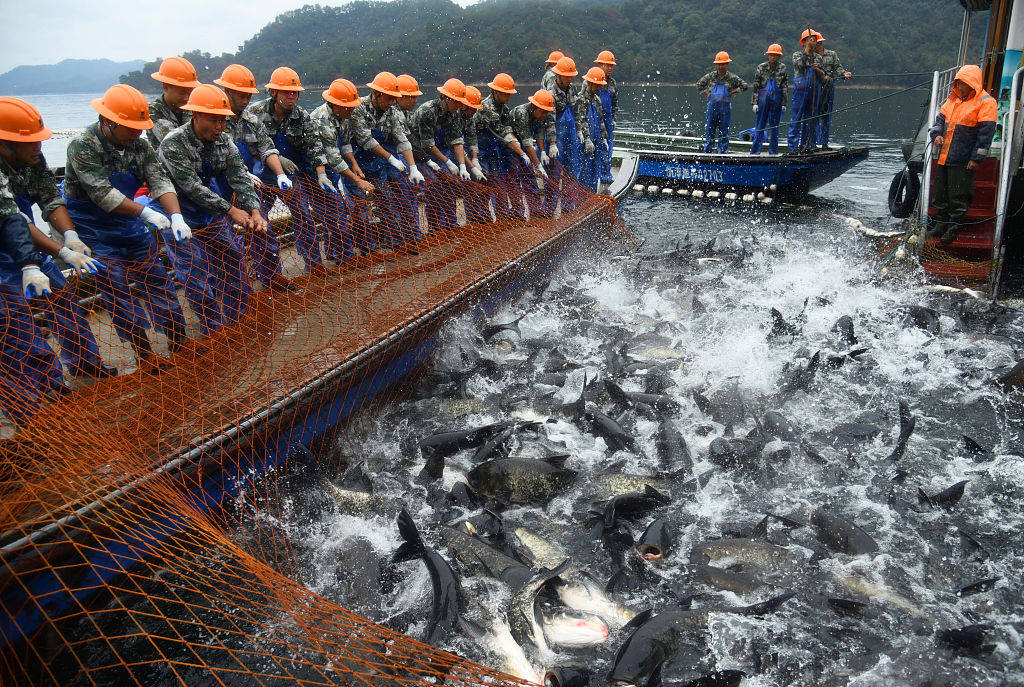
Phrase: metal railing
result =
(1009, 159)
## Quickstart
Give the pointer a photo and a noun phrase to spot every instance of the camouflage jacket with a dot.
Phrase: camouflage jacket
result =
(92, 159)
(494, 117)
(829, 63)
(335, 136)
(612, 88)
(297, 127)
(764, 72)
(585, 98)
(184, 155)
(571, 98)
(37, 182)
(247, 129)
(365, 118)
(164, 119)
(430, 118)
(549, 81)
(803, 61)
(712, 79)
(529, 130)
(16, 241)
(469, 139)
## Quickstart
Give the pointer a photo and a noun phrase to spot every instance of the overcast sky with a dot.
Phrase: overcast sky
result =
(48, 31)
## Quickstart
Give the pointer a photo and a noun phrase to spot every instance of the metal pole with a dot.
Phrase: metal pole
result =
(965, 34)
(926, 183)
(1005, 179)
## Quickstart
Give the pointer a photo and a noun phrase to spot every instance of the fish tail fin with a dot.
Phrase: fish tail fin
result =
(413, 542)
(769, 606)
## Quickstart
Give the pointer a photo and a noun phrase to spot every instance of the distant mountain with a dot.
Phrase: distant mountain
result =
(67, 76)
(653, 40)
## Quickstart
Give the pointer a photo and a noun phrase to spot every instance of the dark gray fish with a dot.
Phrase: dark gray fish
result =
(974, 448)
(497, 445)
(673, 452)
(447, 590)
(632, 505)
(718, 678)
(476, 554)
(735, 581)
(596, 422)
(490, 331)
(907, 424)
(978, 586)
(946, 498)
(726, 406)
(356, 478)
(463, 496)
(514, 480)
(522, 612)
(775, 424)
(655, 543)
(447, 443)
(844, 328)
(803, 376)
(841, 535)
(779, 325)
(552, 378)
(970, 638)
(922, 318)
(750, 553)
(634, 398)
(1012, 379)
(856, 431)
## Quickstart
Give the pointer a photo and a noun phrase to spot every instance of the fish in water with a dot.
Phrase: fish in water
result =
(443, 444)
(593, 420)
(856, 431)
(673, 452)
(946, 498)
(583, 592)
(922, 318)
(541, 550)
(514, 480)
(448, 594)
(656, 541)
(1012, 379)
(877, 592)
(801, 378)
(573, 629)
(844, 328)
(751, 553)
(493, 634)
(776, 425)
(779, 325)
(491, 331)
(907, 424)
(841, 535)
(474, 553)
(656, 638)
(635, 398)
(522, 612)
(355, 502)
(735, 581)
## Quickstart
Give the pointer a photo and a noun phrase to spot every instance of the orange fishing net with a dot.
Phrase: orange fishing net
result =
(125, 556)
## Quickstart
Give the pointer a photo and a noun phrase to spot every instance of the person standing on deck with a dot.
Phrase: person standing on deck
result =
(497, 150)
(719, 86)
(258, 153)
(770, 84)
(440, 117)
(609, 95)
(962, 133)
(570, 126)
(832, 69)
(332, 120)
(207, 170)
(548, 79)
(28, 179)
(106, 165)
(179, 78)
(803, 109)
(470, 192)
(534, 121)
(302, 157)
(590, 161)
(379, 135)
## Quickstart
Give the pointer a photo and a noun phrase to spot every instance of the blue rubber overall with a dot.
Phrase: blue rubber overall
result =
(264, 251)
(439, 196)
(66, 320)
(394, 199)
(590, 165)
(801, 116)
(769, 111)
(28, 366)
(826, 103)
(490, 155)
(717, 119)
(569, 156)
(605, 172)
(338, 216)
(125, 245)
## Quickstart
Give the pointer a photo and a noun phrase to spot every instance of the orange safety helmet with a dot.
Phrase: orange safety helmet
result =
(821, 39)
(386, 83)
(596, 75)
(543, 99)
(503, 83)
(284, 79)
(555, 56)
(454, 89)
(177, 71)
(407, 85)
(565, 67)
(235, 77)
(722, 58)
(474, 97)
(807, 34)
(773, 49)
(209, 99)
(342, 92)
(124, 105)
(20, 122)
(605, 57)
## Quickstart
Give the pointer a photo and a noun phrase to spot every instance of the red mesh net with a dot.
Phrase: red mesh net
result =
(127, 556)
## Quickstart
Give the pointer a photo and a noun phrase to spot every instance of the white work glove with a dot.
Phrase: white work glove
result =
(755, 108)
(151, 216)
(82, 263)
(526, 159)
(477, 173)
(783, 109)
(288, 166)
(588, 147)
(179, 227)
(543, 172)
(540, 182)
(579, 135)
(33, 282)
(283, 182)
(415, 175)
(452, 167)
(606, 143)
(396, 163)
(552, 151)
(463, 172)
(325, 183)
(74, 243)
(433, 165)
(544, 159)
(256, 181)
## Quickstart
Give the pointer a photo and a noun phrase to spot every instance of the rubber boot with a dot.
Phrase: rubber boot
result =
(951, 233)
(100, 371)
(149, 361)
(938, 229)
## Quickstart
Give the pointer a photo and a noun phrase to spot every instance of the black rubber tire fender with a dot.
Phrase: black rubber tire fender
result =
(903, 193)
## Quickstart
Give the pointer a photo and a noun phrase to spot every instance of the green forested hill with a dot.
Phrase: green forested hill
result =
(653, 40)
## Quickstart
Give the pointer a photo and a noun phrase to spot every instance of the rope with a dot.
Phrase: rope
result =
(864, 76)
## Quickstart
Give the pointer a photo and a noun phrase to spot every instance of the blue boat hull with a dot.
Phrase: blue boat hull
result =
(791, 174)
